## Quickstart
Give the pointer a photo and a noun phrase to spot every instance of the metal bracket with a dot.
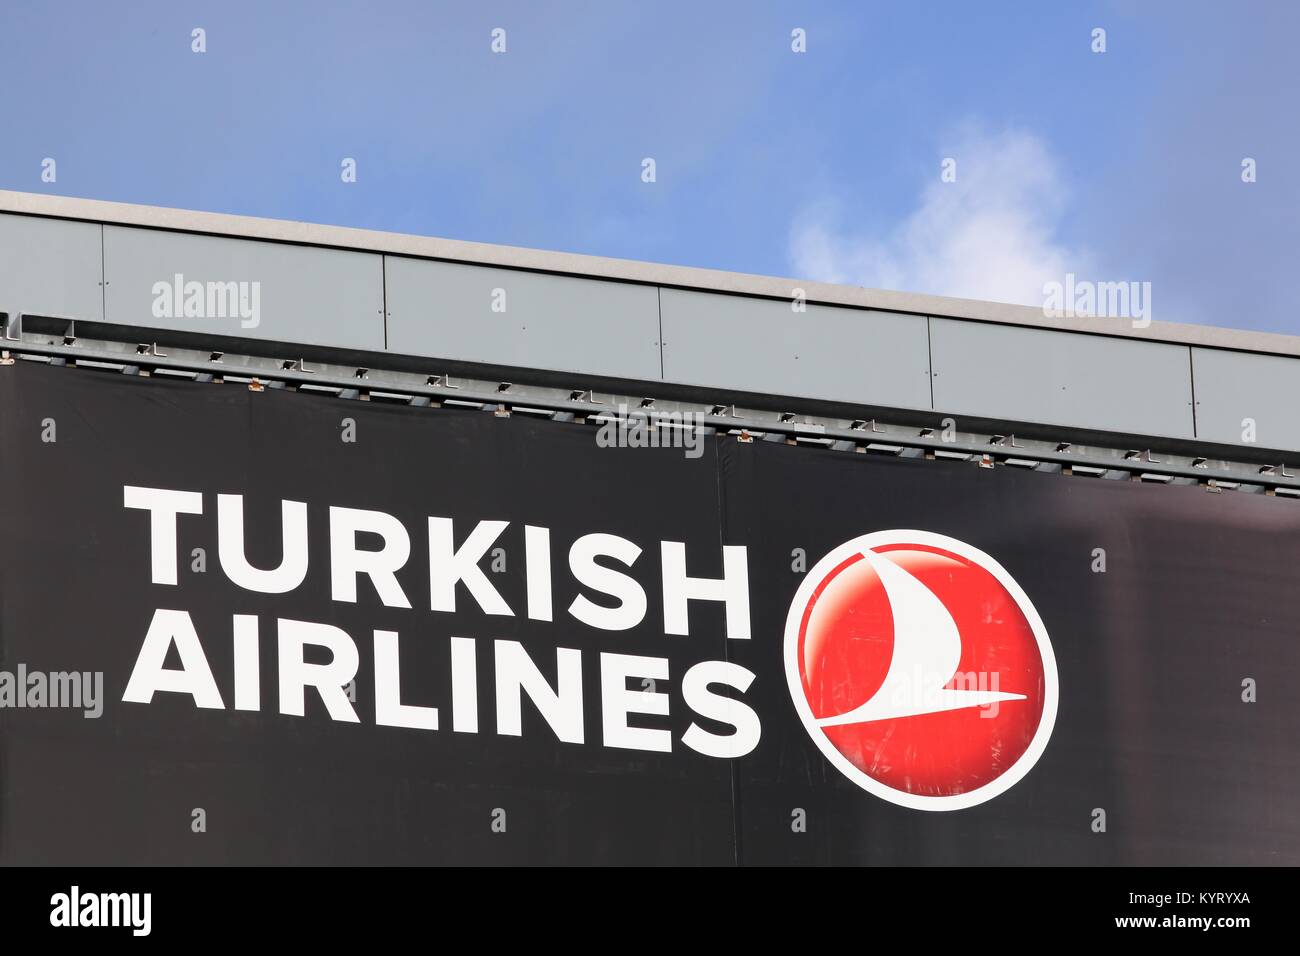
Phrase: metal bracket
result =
(860, 425)
(1134, 455)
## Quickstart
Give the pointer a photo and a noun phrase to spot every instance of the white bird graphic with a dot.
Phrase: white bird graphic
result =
(927, 650)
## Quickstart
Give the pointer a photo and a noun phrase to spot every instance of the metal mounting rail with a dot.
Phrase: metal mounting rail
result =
(746, 424)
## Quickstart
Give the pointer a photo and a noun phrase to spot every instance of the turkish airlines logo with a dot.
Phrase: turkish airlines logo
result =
(921, 669)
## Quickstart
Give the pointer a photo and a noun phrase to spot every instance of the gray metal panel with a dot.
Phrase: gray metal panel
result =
(1062, 378)
(445, 310)
(763, 345)
(50, 267)
(1234, 386)
(313, 296)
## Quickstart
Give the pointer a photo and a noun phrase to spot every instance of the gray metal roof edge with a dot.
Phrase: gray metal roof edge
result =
(628, 270)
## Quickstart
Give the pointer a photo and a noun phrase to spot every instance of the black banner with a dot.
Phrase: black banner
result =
(261, 627)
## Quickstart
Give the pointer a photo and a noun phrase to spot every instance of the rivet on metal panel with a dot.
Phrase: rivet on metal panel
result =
(745, 437)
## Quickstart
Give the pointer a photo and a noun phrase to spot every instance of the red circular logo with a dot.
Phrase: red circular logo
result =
(921, 669)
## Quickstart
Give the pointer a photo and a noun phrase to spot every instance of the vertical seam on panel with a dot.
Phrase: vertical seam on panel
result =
(659, 306)
(929, 354)
(383, 286)
(103, 278)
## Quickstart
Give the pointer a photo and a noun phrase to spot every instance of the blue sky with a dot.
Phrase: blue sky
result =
(1124, 165)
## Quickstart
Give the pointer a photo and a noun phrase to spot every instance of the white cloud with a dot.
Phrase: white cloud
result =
(989, 235)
